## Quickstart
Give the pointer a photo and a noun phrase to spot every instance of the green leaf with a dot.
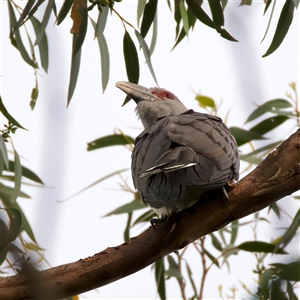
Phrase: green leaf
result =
(160, 278)
(8, 116)
(25, 224)
(290, 232)
(275, 209)
(25, 172)
(8, 191)
(147, 55)
(75, 66)
(101, 22)
(212, 258)
(17, 178)
(272, 106)
(243, 136)
(268, 124)
(110, 140)
(17, 40)
(264, 283)
(140, 9)
(64, 11)
(15, 222)
(296, 3)
(216, 243)
(234, 230)
(34, 95)
(3, 152)
(127, 208)
(290, 290)
(154, 35)
(184, 17)
(174, 272)
(217, 12)
(148, 16)
(266, 148)
(145, 217)
(172, 262)
(267, 6)
(43, 43)
(44, 23)
(190, 275)
(205, 101)
(24, 14)
(104, 55)
(257, 246)
(131, 59)
(288, 271)
(283, 25)
(78, 41)
(204, 18)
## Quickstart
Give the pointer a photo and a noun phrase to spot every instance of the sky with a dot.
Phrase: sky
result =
(55, 144)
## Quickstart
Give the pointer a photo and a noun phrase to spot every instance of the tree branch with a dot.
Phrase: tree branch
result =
(277, 176)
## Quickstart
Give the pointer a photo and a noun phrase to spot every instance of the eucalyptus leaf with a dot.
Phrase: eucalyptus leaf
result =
(159, 268)
(258, 246)
(127, 208)
(268, 124)
(283, 25)
(288, 271)
(272, 106)
(184, 17)
(243, 136)
(75, 66)
(146, 52)
(44, 23)
(217, 12)
(205, 101)
(25, 172)
(148, 16)
(131, 59)
(101, 22)
(18, 176)
(24, 14)
(110, 140)
(145, 217)
(67, 4)
(216, 243)
(3, 152)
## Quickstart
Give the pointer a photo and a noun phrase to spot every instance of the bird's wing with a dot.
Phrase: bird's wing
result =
(191, 149)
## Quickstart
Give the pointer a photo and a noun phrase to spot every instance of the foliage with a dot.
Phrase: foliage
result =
(18, 240)
(186, 14)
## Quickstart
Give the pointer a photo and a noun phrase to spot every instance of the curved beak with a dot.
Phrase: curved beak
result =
(136, 92)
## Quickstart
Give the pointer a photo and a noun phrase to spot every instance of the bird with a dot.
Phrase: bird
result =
(180, 154)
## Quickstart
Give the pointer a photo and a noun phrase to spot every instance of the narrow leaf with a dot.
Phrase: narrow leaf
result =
(126, 233)
(146, 54)
(212, 258)
(64, 11)
(160, 278)
(190, 275)
(75, 65)
(24, 14)
(3, 152)
(145, 217)
(110, 140)
(154, 35)
(140, 9)
(234, 230)
(25, 172)
(257, 246)
(184, 17)
(216, 242)
(269, 106)
(283, 25)
(15, 222)
(288, 271)
(268, 124)
(127, 208)
(101, 22)
(25, 224)
(290, 232)
(17, 178)
(104, 56)
(217, 12)
(44, 23)
(148, 16)
(264, 283)
(43, 43)
(243, 136)
(16, 39)
(131, 59)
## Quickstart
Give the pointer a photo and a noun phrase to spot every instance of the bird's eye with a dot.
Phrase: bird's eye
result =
(168, 95)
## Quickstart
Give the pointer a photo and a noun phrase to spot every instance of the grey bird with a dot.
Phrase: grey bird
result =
(180, 154)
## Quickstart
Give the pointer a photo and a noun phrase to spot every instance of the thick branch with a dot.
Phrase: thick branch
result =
(277, 176)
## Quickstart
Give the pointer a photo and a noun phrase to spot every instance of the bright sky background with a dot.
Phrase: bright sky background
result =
(55, 145)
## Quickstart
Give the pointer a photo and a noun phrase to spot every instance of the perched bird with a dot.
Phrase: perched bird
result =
(181, 153)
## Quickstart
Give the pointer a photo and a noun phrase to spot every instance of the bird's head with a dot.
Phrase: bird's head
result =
(152, 103)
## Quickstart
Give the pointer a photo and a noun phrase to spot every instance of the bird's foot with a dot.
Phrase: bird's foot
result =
(155, 221)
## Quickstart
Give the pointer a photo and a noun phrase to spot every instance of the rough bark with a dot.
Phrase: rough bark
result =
(277, 176)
